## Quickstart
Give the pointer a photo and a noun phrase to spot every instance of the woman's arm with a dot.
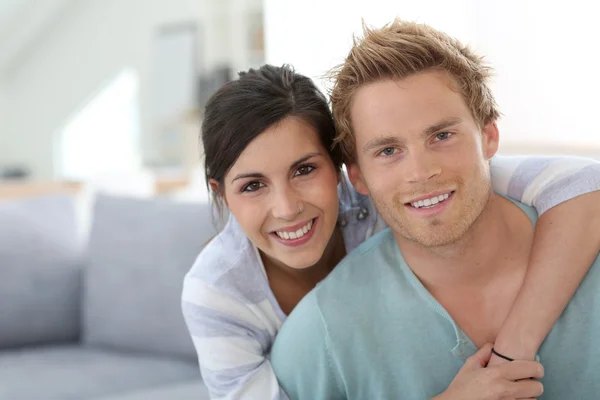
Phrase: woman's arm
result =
(566, 241)
(230, 343)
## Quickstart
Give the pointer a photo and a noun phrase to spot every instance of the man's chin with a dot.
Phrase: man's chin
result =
(433, 238)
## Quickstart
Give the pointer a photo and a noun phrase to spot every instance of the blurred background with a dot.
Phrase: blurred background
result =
(103, 206)
(97, 87)
(93, 87)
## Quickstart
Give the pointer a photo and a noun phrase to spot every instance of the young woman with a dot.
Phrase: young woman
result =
(270, 159)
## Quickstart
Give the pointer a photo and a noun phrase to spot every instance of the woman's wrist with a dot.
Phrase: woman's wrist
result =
(519, 344)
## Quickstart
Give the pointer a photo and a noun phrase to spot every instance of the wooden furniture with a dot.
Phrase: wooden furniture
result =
(10, 190)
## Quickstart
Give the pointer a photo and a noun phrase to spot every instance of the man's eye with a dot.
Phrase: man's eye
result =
(443, 135)
(304, 170)
(388, 151)
(253, 186)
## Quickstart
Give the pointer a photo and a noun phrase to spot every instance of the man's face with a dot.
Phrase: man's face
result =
(422, 157)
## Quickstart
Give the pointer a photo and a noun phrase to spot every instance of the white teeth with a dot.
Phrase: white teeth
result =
(295, 235)
(430, 202)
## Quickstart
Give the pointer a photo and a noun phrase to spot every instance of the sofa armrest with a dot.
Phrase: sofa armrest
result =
(40, 270)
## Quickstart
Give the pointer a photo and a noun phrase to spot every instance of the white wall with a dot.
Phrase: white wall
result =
(315, 35)
(543, 52)
(92, 42)
(546, 73)
(3, 126)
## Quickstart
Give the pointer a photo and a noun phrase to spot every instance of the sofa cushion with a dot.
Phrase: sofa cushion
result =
(78, 373)
(139, 252)
(40, 269)
(194, 390)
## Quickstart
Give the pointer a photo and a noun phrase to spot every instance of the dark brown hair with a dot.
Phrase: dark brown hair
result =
(244, 108)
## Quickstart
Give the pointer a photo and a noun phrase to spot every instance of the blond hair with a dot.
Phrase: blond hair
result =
(401, 49)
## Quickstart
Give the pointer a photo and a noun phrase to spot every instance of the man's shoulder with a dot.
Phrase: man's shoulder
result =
(358, 261)
(289, 345)
(340, 286)
(356, 273)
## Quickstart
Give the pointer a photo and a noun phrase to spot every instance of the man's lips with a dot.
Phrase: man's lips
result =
(430, 195)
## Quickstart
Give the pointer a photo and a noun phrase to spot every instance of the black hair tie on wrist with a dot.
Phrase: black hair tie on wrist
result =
(502, 356)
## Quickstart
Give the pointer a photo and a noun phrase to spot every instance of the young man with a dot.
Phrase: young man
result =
(417, 122)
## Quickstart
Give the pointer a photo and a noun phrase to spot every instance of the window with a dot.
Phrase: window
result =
(103, 137)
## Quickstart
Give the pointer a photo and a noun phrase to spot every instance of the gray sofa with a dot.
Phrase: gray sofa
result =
(100, 320)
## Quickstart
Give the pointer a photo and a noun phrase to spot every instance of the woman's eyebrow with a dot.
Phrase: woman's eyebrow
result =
(305, 158)
(258, 175)
(248, 175)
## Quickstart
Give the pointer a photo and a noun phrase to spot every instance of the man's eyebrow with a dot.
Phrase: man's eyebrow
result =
(443, 124)
(389, 141)
(382, 141)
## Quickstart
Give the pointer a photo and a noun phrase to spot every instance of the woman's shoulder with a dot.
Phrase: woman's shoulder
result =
(228, 253)
(231, 265)
(358, 218)
(222, 252)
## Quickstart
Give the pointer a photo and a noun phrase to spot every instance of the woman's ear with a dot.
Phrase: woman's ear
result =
(216, 188)
(214, 185)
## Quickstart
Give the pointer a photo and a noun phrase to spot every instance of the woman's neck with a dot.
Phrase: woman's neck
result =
(290, 285)
(333, 254)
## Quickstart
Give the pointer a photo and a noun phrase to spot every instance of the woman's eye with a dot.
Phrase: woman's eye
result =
(253, 187)
(388, 151)
(304, 170)
(443, 135)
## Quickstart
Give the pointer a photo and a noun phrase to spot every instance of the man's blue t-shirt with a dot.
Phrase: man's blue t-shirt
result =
(372, 331)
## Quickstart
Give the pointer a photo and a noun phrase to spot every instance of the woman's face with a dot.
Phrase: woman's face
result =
(283, 192)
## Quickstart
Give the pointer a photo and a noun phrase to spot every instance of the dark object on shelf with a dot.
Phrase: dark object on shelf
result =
(211, 81)
(14, 173)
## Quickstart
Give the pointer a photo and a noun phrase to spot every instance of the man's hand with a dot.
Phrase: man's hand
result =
(506, 381)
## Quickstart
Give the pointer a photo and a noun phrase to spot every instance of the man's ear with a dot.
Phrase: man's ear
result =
(357, 179)
(490, 139)
(216, 188)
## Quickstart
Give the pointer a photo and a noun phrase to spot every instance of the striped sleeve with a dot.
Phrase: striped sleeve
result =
(544, 182)
(231, 344)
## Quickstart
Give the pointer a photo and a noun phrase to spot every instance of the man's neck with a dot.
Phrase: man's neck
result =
(478, 278)
(290, 285)
(499, 235)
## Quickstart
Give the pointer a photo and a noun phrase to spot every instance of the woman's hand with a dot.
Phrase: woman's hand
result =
(507, 381)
